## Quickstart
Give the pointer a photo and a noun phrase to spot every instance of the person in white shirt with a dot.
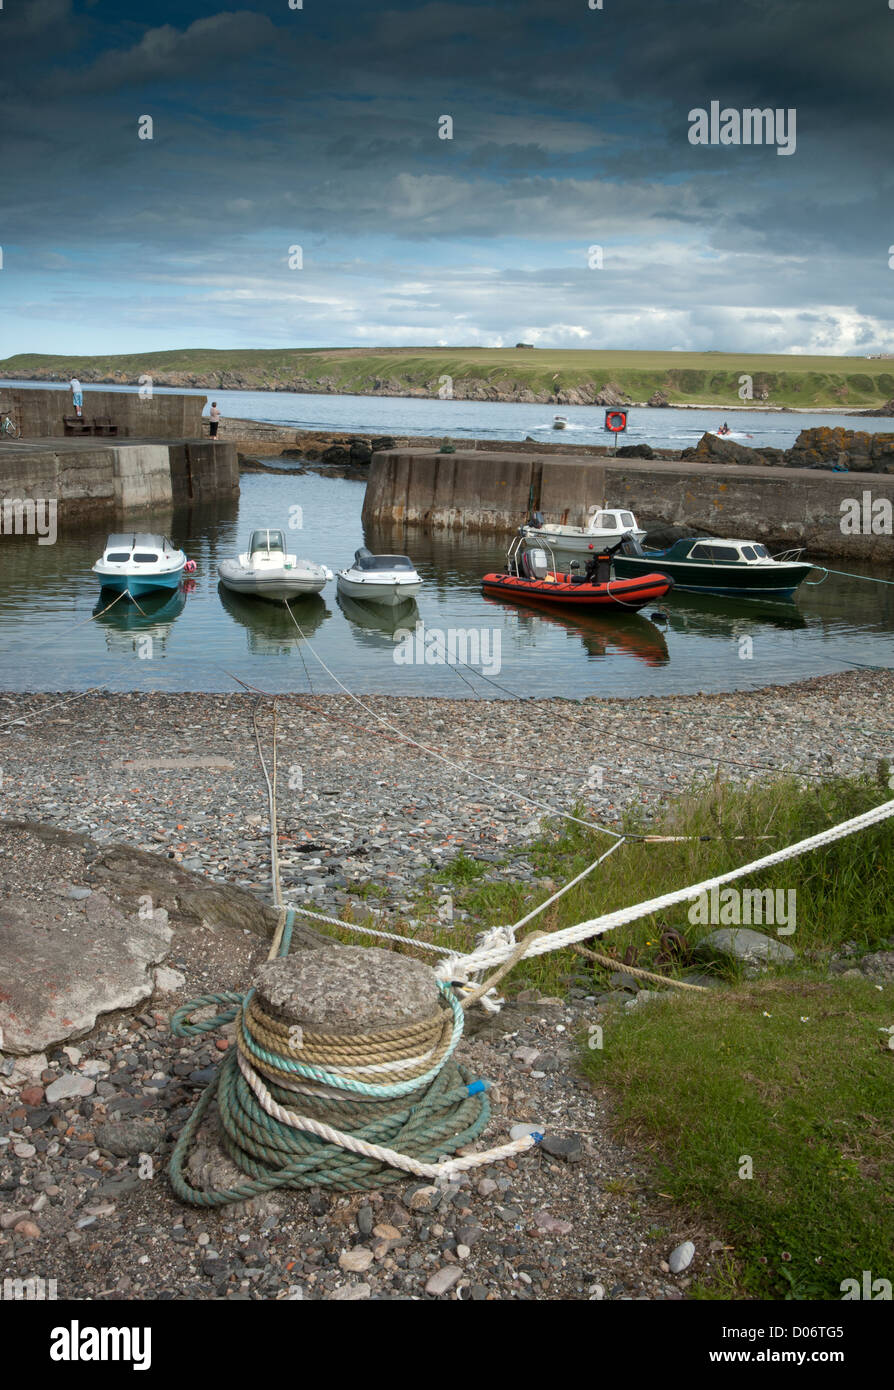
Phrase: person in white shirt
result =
(215, 419)
(77, 397)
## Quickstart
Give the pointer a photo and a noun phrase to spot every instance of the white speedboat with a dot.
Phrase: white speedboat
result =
(604, 527)
(267, 571)
(560, 422)
(388, 579)
(138, 562)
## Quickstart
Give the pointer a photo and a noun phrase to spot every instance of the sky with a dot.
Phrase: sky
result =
(570, 208)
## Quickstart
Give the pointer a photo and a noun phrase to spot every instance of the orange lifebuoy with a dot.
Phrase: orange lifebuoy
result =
(613, 415)
(190, 567)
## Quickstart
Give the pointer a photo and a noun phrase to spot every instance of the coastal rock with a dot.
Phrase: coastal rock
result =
(611, 394)
(63, 963)
(750, 947)
(658, 399)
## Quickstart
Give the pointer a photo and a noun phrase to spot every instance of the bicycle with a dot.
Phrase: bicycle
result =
(8, 425)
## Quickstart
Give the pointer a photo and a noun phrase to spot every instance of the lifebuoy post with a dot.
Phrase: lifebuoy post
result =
(616, 421)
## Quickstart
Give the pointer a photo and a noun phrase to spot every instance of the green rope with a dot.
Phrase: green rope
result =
(440, 1116)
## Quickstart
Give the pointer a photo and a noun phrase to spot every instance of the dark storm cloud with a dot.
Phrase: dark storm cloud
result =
(571, 128)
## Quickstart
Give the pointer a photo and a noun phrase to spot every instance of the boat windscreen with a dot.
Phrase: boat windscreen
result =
(382, 562)
(267, 540)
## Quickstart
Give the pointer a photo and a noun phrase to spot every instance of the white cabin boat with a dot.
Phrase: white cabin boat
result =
(560, 422)
(388, 579)
(267, 571)
(139, 562)
(604, 527)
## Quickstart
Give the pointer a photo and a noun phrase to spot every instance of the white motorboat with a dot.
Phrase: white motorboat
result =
(604, 527)
(265, 570)
(560, 422)
(388, 579)
(138, 562)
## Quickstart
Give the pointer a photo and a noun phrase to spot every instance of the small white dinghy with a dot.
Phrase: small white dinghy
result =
(388, 579)
(267, 571)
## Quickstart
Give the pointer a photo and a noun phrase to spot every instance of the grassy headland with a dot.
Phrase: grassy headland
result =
(572, 376)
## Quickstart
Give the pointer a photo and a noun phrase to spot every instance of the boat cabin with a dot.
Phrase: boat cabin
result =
(706, 550)
(365, 560)
(611, 521)
(138, 548)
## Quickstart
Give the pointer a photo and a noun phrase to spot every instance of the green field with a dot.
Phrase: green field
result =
(492, 373)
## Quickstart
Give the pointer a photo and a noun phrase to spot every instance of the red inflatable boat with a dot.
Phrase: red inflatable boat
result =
(568, 591)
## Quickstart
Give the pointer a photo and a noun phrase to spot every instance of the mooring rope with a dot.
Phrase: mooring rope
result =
(354, 1133)
(494, 951)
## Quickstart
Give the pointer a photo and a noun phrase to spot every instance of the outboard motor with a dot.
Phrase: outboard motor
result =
(535, 564)
(362, 554)
(630, 545)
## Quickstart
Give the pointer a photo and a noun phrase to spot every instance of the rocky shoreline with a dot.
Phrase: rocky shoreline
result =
(109, 798)
(463, 389)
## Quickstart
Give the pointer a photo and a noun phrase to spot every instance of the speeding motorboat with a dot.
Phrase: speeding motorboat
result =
(560, 422)
(388, 579)
(604, 526)
(265, 570)
(138, 562)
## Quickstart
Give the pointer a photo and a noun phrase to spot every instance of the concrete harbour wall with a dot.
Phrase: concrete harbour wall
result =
(493, 492)
(38, 414)
(82, 474)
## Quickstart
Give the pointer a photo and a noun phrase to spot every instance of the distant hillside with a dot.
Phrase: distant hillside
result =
(568, 377)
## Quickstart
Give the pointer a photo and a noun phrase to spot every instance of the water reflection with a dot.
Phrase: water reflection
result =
(126, 624)
(628, 634)
(269, 628)
(374, 624)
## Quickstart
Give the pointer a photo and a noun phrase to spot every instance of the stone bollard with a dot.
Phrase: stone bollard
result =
(349, 991)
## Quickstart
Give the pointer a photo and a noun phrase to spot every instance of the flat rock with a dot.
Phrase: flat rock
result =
(568, 1147)
(69, 1085)
(348, 989)
(356, 1261)
(128, 1137)
(62, 963)
(442, 1280)
(743, 944)
(682, 1257)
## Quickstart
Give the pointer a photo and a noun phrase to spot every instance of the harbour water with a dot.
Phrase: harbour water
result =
(205, 639)
(382, 415)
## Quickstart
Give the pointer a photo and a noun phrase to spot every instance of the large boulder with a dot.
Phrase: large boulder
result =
(712, 449)
(858, 451)
(658, 399)
(636, 451)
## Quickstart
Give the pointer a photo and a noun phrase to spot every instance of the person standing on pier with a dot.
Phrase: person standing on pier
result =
(215, 419)
(77, 397)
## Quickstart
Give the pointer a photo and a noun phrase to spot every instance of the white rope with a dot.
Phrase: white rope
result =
(485, 959)
(372, 931)
(391, 1157)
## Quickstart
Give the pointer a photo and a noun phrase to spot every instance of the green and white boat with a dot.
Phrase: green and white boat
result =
(706, 564)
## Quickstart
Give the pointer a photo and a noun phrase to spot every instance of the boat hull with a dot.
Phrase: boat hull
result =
(741, 581)
(275, 585)
(574, 541)
(389, 593)
(136, 584)
(618, 595)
